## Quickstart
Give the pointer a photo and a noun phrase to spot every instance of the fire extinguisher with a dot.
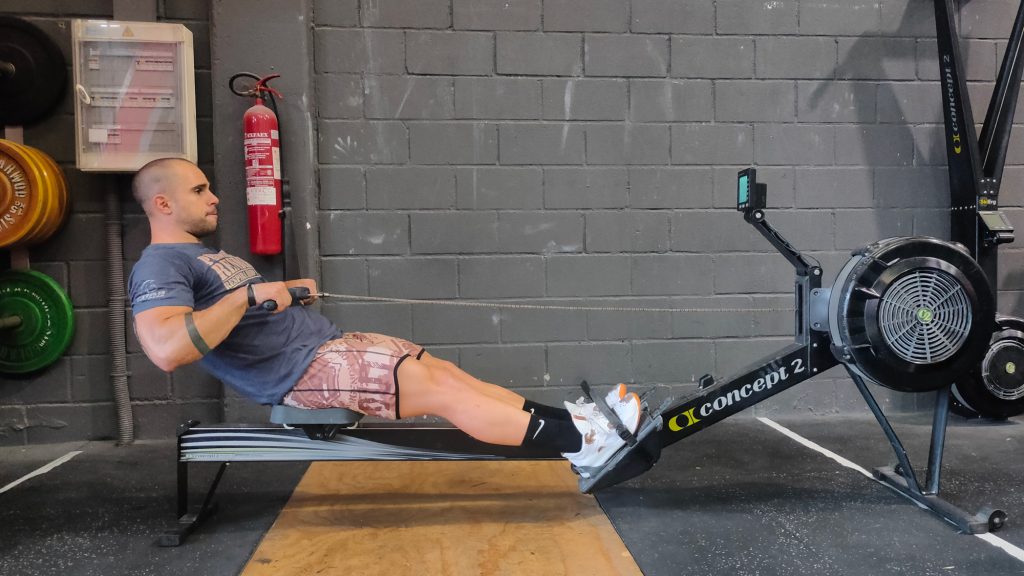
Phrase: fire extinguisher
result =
(262, 146)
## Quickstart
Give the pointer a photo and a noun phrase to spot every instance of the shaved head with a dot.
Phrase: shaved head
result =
(177, 199)
(156, 177)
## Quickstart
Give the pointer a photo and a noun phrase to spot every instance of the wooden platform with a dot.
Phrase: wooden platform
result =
(441, 518)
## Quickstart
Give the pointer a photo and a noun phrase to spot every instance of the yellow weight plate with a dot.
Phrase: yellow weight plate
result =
(40, 193)
(60, 214)
(62, 197)
(19, 205)
(19, 201)
(43, 193)
(48, 197)
(56, 194)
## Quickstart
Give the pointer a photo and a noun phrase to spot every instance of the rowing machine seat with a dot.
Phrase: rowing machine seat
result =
(281, 414)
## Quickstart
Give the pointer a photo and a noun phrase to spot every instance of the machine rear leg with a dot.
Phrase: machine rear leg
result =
(902, 477)
(189, 521)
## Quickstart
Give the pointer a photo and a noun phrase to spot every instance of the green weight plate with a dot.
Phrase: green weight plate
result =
(47, 321)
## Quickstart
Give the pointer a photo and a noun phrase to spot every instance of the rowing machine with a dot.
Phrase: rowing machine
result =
(993, 387)
(910, 314)
(315, 435)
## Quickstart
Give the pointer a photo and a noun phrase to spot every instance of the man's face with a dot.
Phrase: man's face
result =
(195, 205)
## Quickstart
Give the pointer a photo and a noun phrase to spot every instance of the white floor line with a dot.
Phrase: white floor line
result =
(42, 470)
(992, 539)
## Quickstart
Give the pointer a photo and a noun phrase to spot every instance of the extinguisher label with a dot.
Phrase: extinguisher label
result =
(261, 196)
(277, 163)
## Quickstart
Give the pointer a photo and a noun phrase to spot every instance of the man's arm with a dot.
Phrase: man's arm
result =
(164, 336)
(165, 339)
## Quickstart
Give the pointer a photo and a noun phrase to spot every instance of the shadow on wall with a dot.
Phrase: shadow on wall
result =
(897, 134)
(908, 174)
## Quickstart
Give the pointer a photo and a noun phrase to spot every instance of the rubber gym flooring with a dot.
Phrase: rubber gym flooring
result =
(743, 497)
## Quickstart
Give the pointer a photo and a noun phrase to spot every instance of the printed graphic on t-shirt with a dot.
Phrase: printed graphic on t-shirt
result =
(232, 270)
(149, 291)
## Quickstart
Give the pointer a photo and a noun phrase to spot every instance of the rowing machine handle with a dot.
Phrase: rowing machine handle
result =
(298, 293)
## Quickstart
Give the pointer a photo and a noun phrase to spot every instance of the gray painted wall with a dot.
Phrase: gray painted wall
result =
(584, 153)
(564, 152)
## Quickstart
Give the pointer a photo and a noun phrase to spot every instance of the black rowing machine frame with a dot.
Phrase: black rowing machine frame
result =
(813, 352)
(975, 165)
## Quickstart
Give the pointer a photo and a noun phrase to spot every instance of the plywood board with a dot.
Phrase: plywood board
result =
(444, 518)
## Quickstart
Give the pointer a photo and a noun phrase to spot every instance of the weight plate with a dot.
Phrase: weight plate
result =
(34, 77)
(56, 212)
(61, 213)
(51, 194)
(19, 203)
(43, 194)
(47, 321)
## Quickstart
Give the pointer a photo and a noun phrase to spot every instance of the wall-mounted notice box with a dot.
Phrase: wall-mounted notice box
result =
(134, 94)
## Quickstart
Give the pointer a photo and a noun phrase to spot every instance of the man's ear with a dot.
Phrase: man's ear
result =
(162, 204)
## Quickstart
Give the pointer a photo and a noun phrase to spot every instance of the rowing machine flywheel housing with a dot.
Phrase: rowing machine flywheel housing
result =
(911, 314)
(994, 388)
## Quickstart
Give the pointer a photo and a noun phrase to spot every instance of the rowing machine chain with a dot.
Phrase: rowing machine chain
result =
(470, 303)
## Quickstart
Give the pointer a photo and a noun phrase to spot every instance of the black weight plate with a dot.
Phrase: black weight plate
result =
(40, 74)
(47, 321)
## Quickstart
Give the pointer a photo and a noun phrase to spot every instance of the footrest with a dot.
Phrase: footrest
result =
(629, 461)
(281, 414)
(608, 413)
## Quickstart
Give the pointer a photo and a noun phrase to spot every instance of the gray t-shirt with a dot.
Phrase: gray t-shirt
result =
(265, 354)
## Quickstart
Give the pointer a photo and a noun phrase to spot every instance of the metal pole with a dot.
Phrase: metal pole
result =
(939, 420)
(10, 322)
(901, 454)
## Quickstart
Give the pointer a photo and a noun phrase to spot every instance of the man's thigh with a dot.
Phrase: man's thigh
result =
(358, 371)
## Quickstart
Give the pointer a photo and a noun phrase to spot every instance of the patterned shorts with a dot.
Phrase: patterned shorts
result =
(358, 371)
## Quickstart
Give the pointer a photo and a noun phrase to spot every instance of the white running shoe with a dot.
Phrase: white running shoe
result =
(600, 441)
(616, 395)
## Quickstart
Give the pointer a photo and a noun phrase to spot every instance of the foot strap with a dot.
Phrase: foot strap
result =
(610, 414)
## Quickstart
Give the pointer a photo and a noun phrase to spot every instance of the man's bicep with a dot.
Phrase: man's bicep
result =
(155, 326)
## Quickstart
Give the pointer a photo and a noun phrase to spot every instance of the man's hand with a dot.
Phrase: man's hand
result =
(278, 292)
(307, 283)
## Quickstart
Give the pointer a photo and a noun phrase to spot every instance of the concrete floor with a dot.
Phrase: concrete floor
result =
(740, 498)
(743, 499)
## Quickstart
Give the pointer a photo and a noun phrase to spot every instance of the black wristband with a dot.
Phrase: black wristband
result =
(252, 295)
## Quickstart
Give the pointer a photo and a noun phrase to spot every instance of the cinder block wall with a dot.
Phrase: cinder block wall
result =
(573, 153)
(566, 153)
(73, 398)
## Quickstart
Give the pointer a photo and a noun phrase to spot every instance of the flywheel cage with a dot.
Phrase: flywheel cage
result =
(925, 316)
(998, 371)
(913, 314)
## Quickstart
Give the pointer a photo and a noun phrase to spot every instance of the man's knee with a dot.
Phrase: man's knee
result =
(437, 375)
(430, 388)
